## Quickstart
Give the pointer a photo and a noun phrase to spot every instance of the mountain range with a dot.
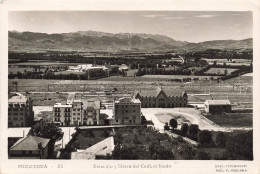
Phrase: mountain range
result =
(100, 41)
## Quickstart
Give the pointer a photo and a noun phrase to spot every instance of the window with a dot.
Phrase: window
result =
(24, 152)
(74, 109)
(116, 120)
(78, 113)
(78, 109)
(30, 152)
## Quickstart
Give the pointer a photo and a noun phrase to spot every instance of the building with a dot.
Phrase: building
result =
(91, 112)
(127, 111)
(162, 98)
(62, 114)
(123, 68)
(20, 111)
(217, 106)
(103, 147)
(77, 112)
(30, 147)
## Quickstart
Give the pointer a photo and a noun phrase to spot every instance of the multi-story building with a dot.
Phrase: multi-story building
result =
(162, 98)
(62, 114)
(91, 112)
(77, 113)
(20, 111)
(127, 111)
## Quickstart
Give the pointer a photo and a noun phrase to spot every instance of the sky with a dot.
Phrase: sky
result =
(191, 26)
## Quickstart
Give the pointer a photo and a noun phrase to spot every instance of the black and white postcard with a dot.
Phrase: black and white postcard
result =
(132, 87)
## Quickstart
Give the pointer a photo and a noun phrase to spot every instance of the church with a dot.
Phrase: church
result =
(162, 98)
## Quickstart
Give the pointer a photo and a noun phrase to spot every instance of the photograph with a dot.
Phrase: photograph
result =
(111, 88)
(111, 85)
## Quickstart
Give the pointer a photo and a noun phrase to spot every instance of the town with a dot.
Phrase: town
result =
(118, 93)
(94, 115)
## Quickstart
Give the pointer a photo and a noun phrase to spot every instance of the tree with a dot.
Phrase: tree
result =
(193, 131)
(124, 152)
(202, 156)
(221, 140)
(166, 127)
(184, 128)
(225, 72)
(205, 137)
(47, 130)
(173, 123)
(240, 146)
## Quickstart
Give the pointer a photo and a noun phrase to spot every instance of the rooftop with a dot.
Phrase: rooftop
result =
(154, 93)
(128, 100)
(30, 143)
(101, 148)
(59, 105)
(18, 98)
(218, 102)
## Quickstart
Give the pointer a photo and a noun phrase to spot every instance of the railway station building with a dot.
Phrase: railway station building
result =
(162, 98)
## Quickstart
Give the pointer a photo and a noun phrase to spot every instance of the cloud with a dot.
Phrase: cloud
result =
(205, 16)
(152, 16)
(169, 18)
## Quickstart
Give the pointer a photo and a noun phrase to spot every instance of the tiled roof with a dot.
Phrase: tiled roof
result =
(218, 102)
(155, 93)
(30, 143)
(101, 148)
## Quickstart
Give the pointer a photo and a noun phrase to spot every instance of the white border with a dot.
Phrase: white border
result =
(208, 167)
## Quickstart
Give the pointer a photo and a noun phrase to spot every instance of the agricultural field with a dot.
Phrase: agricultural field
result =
(42, 63)
(195, 68)
(220, 70)
(199, 91)
(234, 62)
(47, 99)
(177, 77)
(68, 72)
(131, 73)
(232, 119)
(14, 70)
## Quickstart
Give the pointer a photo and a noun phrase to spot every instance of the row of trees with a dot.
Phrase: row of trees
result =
(221, 54)
(93, 74)
(162, 71)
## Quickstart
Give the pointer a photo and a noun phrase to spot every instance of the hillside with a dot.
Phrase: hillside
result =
(100, 41)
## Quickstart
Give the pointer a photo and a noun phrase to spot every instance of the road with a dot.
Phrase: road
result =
(191, 114)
